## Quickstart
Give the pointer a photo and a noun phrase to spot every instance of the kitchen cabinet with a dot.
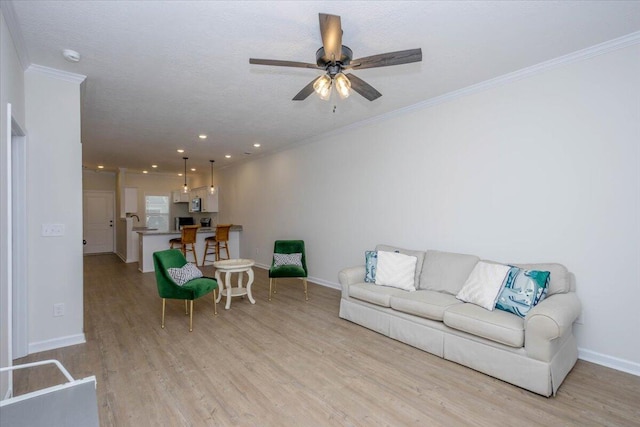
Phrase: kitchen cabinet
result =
(179, 197)
(130, 200)
(210, 201)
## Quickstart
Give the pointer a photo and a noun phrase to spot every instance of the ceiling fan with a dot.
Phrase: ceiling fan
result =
(335, 58)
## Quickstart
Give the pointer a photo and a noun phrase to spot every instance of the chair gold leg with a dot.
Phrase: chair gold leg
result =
(306, 294)
(215, 304)
(191, 317)
(270, 286)
(186, 310)
(163, 304)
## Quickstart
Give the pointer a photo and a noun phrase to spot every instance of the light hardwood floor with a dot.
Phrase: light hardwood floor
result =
(291, 363)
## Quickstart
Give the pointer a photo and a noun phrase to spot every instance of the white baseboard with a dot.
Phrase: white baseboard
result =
(325, 283)
(315, 280)
(122, 257)
(609, 361)
(37, 347)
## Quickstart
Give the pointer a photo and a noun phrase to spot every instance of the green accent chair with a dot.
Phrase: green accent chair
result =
(193, 289)
(284, 271)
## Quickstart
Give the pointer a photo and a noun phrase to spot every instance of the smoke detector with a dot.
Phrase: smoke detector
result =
(71, 55)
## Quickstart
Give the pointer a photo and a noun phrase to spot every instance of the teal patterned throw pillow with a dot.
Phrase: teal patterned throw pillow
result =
(371, 263)
(522, 290)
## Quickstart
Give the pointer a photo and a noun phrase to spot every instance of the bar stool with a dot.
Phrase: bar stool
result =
(214, 244)
(188, 238)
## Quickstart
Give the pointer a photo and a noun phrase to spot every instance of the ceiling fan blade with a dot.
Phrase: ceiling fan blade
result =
(305, 92)
(363, 88)
(331, 32)
(386, 59)
(279, 63)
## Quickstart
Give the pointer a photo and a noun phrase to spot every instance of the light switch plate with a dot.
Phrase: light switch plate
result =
(51, 230)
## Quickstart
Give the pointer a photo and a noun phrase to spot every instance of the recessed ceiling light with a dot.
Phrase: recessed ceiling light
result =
(71, 55)
(100, 167)
(154, 166)
(145, 172)
(193, 169)
(180, 150)
(202, 136)
(256, 145)
(179, 174)
(228, 156)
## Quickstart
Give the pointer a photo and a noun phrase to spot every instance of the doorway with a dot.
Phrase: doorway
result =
(98, 217)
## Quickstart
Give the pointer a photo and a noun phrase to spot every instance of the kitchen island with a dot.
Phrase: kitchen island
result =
(154, 241)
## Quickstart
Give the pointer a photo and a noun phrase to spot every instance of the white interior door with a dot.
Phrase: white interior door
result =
(98, 227)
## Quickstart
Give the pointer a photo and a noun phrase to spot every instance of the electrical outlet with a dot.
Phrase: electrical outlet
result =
(52, 230)
(58, 310)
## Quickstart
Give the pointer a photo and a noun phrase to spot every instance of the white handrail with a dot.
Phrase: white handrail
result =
(43, 362)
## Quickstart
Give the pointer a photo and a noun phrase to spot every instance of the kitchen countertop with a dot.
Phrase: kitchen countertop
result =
(155, 232)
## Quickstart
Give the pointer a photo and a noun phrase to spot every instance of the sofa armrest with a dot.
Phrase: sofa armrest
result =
(548, 322)
(349, 276)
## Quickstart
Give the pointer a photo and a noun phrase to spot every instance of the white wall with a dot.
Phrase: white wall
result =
(54, 191)
(545, 168)
(11, 91)
(101, 181)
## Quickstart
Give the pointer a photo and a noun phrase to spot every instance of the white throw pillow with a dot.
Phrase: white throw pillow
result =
(287, 259)
(396, 270)
(184, 274)
(484, 285)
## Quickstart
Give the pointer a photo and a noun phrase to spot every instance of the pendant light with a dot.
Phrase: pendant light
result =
(185, 189)
(212, 189)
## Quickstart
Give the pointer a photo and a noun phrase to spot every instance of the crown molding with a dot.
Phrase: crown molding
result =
(580, 55)
(57, 74)
(6, 6)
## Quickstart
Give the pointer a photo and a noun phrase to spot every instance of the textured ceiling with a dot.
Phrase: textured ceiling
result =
(159, 73)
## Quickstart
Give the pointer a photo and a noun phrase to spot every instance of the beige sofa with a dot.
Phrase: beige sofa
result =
(535, 352)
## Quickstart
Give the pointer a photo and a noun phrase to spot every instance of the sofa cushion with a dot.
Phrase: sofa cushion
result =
(446, 271)
(418, 254)
(379, 295)
(396, 270)
(559, 282)
(497, 325)
(427, 304)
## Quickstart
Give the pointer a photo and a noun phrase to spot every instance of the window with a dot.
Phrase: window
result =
(157, 211)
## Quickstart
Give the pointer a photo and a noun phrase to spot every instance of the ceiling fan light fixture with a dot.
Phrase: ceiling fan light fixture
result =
(322, 86)
(343, 85)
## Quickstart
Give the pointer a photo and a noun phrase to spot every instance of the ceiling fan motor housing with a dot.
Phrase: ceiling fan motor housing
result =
(344, 60)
